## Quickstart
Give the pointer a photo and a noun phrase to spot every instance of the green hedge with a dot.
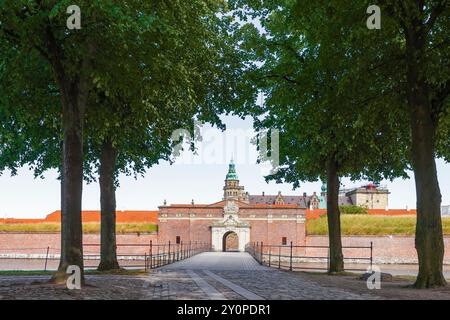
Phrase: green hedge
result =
(353, 209)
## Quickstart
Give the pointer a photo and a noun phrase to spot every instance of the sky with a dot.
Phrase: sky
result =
(197, 177)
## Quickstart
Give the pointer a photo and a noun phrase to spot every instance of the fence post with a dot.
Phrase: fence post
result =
(164, 255)
(145, 261)
(262, 253)
(181, 248)
(270, 254)
(168, 254)
(46, 259)
(158, 257)
(279, 257)
(256, 252)
(151, 254)
(290, 263)
(371, 255)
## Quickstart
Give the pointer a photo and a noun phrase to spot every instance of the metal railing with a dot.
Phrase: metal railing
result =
(295, 257)
(129, 255)
(163, 254)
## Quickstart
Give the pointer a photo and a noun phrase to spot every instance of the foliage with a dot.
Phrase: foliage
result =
(172, 63)
(303, 67)
(353, 209)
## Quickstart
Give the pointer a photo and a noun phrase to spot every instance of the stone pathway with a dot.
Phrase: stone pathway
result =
(207, 276)
(218, 261)
(238, 276)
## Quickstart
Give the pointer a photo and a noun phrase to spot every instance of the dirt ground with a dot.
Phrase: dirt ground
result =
(399, 289)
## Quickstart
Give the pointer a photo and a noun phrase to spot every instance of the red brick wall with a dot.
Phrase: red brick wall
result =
(386, 249)
(168, 231)
(393, 249)
(279, 229)
(37, 243)
(200, 231)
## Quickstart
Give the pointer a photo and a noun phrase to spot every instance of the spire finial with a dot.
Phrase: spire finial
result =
(231, 175)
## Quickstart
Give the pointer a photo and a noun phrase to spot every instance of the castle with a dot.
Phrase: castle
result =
(240, 218)
(235, 221)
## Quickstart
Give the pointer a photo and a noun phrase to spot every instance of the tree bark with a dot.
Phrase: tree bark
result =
(429, 239)
(71, 188)
(334, 220)
(108, 157)
(73, 92)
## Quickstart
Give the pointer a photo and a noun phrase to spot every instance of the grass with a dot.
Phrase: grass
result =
(25, 273)
(122, 272)
(371, 225)
(87, 227)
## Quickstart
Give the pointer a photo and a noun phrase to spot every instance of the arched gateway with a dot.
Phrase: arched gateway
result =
(230, 234)
(230, 241)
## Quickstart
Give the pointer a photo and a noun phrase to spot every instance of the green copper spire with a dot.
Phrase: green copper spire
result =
(324, 187)
(231, 175)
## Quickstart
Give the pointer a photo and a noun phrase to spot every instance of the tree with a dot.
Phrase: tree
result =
(187, 73)
(172, 76)
(425, 27)
(302, 64)
(40, 27)
(411, 52)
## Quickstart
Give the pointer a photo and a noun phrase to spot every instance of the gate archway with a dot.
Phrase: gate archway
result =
(230, 241)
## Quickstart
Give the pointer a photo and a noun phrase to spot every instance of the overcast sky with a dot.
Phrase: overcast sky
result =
(199, 177)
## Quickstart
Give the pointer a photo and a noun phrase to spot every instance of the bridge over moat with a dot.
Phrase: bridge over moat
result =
(234, 276)
(237, 261)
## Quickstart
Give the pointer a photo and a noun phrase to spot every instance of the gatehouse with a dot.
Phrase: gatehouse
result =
(235, 221)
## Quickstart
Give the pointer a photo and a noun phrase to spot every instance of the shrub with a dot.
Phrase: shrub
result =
(352, 209)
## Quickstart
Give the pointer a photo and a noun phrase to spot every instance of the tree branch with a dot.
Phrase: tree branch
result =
(438, 101)
(284, 77)
(435, 13)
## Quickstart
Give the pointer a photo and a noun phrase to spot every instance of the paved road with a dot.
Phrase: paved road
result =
(218, 261)
(234, 275)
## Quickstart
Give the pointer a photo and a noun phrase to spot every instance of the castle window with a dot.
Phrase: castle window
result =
(178, 240)
(284, 241)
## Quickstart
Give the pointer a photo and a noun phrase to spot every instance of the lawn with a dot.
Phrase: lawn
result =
(370, 225)
(122, 272)
(87, 227)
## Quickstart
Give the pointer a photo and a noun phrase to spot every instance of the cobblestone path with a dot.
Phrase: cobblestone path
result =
(236, 275)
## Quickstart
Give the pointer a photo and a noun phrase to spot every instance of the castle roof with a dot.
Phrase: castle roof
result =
(231, 175)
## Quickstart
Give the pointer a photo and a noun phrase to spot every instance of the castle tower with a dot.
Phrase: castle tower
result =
(232, 190)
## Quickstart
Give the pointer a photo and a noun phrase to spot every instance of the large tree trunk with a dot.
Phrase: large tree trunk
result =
(108, 253)
(334, 221)
(74, 93)
(71, 189)
(429, 239)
